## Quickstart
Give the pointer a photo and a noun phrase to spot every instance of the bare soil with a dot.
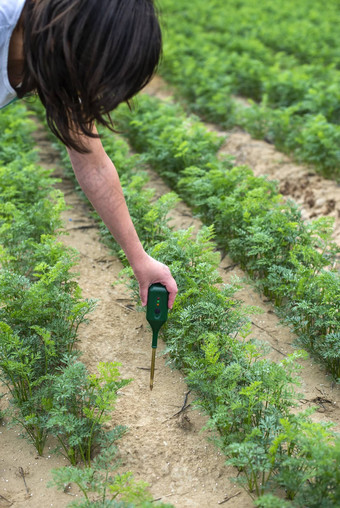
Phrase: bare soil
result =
(170, 452)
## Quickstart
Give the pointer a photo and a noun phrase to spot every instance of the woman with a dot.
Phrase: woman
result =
(83, 58)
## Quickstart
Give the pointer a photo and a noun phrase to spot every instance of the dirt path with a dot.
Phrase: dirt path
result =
(170, 453)
(167, 452)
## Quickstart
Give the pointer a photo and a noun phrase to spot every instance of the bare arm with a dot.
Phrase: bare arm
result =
(99, 180)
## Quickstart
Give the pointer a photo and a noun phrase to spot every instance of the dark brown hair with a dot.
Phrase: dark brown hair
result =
(85, 57)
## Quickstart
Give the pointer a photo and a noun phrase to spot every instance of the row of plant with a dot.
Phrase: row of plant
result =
(248, 398)
(305, 31)
(296, 103)
(54, 398)
(291, 261)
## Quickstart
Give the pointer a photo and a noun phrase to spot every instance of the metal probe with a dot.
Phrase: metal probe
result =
(156, 315)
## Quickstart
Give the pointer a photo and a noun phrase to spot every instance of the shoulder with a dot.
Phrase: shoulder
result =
(10, 11)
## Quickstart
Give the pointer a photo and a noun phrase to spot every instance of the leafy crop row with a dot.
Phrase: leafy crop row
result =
(248, 399)
(214, 51)
(41, 307)
(305, 32)
(291, 261)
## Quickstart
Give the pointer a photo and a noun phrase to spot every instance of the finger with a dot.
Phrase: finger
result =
(143, 293)
(169, 282)
(172, 297)
(172, 289)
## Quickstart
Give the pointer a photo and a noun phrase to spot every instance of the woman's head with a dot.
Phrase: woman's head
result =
(84, 57)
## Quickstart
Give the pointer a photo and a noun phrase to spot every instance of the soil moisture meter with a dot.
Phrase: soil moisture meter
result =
(156, 315)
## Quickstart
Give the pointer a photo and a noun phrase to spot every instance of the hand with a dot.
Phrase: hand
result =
(149, 271)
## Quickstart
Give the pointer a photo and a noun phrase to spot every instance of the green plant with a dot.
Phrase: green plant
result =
(251, 458)
(101, 488)
(15, 135)
(309, 463)
(52, 301)
(271, 501)
(18, 373)
(78, 404)
(40, 303)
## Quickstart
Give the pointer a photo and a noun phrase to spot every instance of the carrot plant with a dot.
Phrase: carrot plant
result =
(18, 373)
(78, 404)
(15, 134)
(309, 458)
(102, 487)
(40, 310)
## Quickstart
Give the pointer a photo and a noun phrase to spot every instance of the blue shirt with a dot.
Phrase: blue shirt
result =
(10, 11)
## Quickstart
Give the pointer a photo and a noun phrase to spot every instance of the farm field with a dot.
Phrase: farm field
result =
(169, 452)
(258, 278)
(101, 338)
(316, 195)
(283, 59)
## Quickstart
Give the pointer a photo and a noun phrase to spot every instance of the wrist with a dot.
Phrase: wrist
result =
(137, 258)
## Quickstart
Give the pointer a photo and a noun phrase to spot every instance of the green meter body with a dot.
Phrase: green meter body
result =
(156, 315)
(157, 309)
